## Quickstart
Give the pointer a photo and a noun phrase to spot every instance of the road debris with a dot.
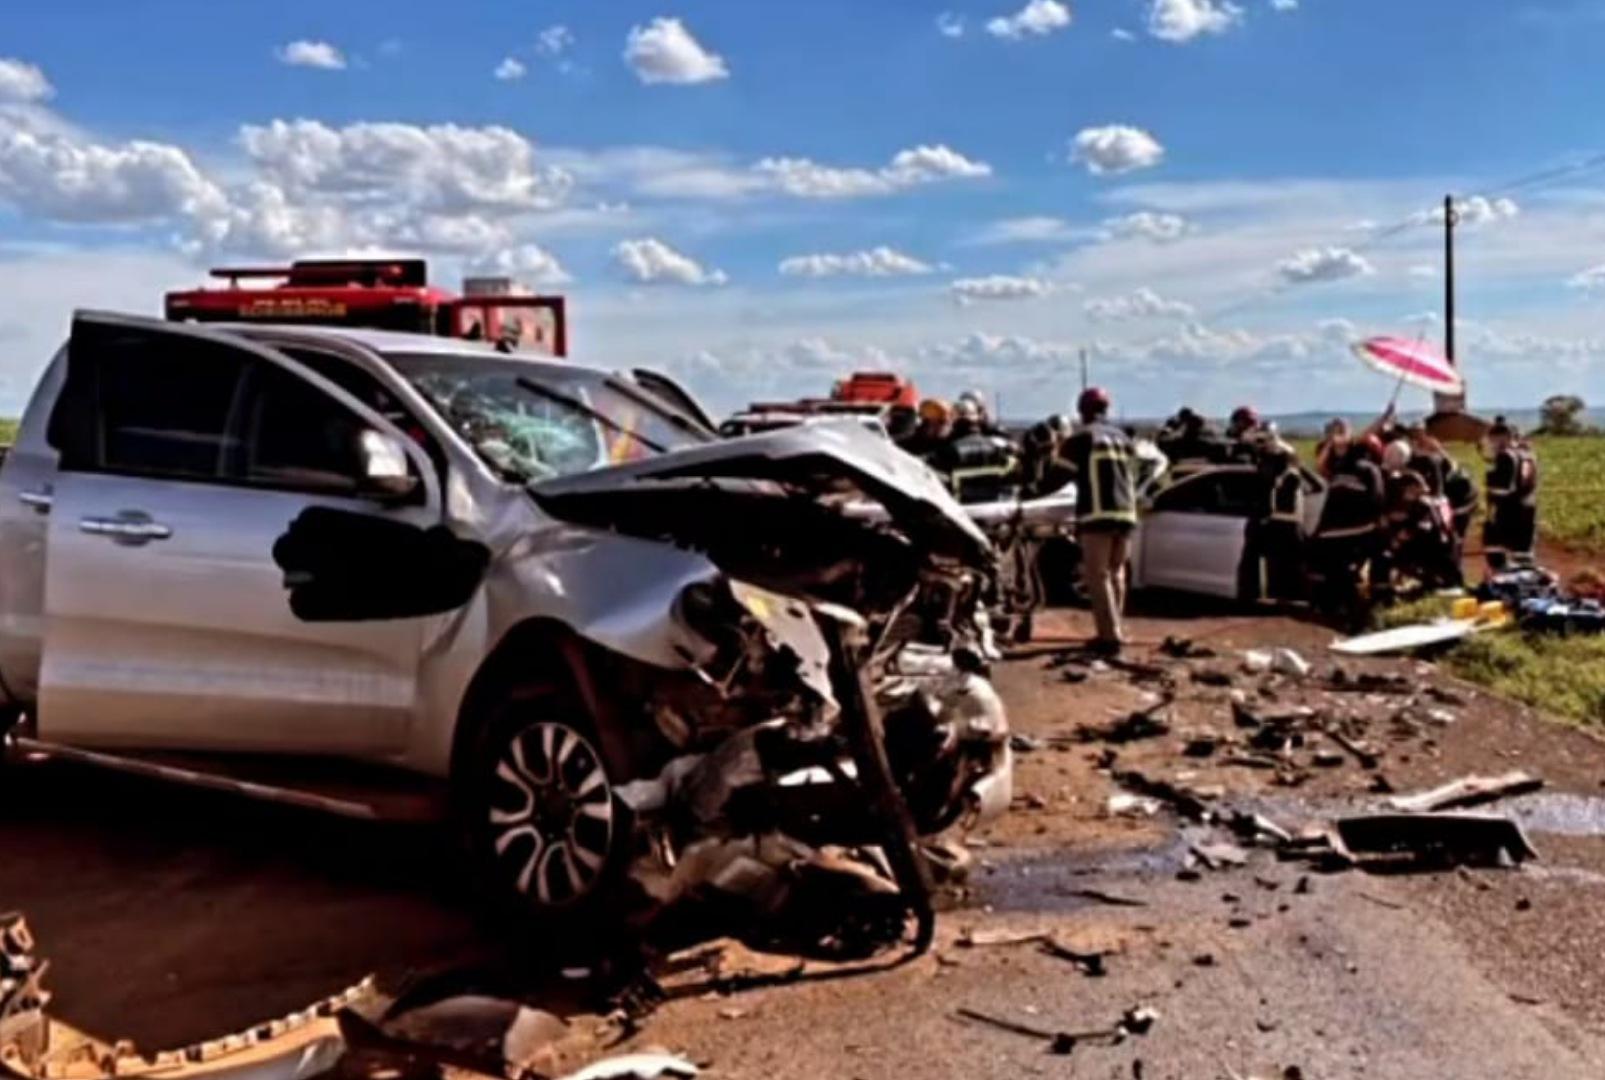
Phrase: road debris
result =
(637, 1066)
(1145, 723)
(1468, 791)
(1101, 897)
(1288, 662)
(1219, 855)
(1125, 804)
(1448, 838)
(1134, 1021)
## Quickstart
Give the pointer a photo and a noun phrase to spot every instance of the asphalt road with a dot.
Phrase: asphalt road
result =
(174, 915)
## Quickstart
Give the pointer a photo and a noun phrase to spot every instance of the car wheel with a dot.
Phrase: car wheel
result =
(545, 828)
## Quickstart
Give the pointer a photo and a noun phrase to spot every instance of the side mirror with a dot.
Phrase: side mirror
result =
(386, 470)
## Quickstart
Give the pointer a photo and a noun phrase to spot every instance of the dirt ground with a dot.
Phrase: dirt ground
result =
(171, 915)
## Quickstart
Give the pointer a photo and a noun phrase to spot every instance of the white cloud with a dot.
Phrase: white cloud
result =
(950, 25)
(510, 70)
(1025, 230)
(1116, 148)
(1142, 304)
(312, 54)
(1120, 33)
(1161, 228)
(24, 82)
(1183, 20)
(1284, 5)
(1474, 211)
(875, 262)
(554, 40)
(1037, 19)
(809, 179)
(1314, 265)
(650, 261)
(443, 167)
(53, 174)
(1590, 280)
(1423, 271)
(664, 51)
(999, 287)
(529, 264)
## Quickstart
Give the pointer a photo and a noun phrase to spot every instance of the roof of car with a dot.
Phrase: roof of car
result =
(396, 341)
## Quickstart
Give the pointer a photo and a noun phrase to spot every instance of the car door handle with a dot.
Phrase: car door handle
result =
(39, 500)
(129, 527)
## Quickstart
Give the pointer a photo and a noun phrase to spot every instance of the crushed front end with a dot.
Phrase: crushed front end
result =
(834, 713)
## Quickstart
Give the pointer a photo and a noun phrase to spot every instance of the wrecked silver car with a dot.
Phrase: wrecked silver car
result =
(633, 662)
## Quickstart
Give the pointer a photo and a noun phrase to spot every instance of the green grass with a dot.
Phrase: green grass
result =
(1563, 676)
(1571, 494)
(8, 432)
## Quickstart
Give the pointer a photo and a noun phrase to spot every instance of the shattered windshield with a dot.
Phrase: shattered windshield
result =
(532, 422)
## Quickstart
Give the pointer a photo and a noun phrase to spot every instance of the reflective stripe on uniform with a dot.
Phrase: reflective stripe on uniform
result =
(1094, 490)
(1127, 516)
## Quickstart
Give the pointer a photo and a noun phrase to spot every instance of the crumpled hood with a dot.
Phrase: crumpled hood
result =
(821, 458)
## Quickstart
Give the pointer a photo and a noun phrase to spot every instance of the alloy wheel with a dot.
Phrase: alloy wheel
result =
(551, 813)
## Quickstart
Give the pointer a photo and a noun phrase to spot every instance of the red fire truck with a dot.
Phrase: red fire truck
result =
(387, 294)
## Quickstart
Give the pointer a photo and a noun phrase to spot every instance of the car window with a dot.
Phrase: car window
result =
(531, 422)
(146, 404)
(293, 436)
(1242, 494)
(372, 392)
(1226, 493)
(1191, 495)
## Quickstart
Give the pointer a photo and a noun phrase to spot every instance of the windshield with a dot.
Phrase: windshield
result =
(531, 422)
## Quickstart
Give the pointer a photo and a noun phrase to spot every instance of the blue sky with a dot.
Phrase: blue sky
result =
(761, 195)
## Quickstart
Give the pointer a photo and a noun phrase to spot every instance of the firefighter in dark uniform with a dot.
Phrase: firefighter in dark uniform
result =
(1104, 462)
(1188, 437)
(1346, 538)
(1509, 534)
(1042, 463)
(1461, 491)
(1274, 556)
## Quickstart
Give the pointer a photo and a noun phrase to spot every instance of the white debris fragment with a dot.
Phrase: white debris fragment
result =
(1125, 804)
(1257, 661)
(641, 1066)
(1289, 662)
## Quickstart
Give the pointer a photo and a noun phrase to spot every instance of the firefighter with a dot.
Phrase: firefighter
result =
(935, 424)
(1273, 559)
(1189, 437)
(1104, 462)
(966, 419)
(1245, 435)
(1461, 491)
(1346, 537)
(1429, 460)
(1509, 534)
(1419, 533)
(1042, 460)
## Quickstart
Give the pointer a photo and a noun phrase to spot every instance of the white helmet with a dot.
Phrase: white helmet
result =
(1397, 454)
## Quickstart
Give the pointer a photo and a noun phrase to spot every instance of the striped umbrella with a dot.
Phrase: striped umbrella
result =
(1412, 362)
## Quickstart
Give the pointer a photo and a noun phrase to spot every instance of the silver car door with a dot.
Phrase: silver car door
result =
(167, 622)
(1191, 542)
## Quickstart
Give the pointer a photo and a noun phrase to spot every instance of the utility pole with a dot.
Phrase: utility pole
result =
(1449, 403)
(1083, 369)
(1449, 277)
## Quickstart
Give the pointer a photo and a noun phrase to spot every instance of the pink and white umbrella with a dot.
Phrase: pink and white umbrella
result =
(1412, 362)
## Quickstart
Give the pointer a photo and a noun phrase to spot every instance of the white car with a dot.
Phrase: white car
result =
(1194, 527)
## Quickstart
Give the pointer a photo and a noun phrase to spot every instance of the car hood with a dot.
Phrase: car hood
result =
(821, 459)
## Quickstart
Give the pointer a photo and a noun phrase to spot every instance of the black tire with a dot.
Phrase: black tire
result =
(546, 834)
